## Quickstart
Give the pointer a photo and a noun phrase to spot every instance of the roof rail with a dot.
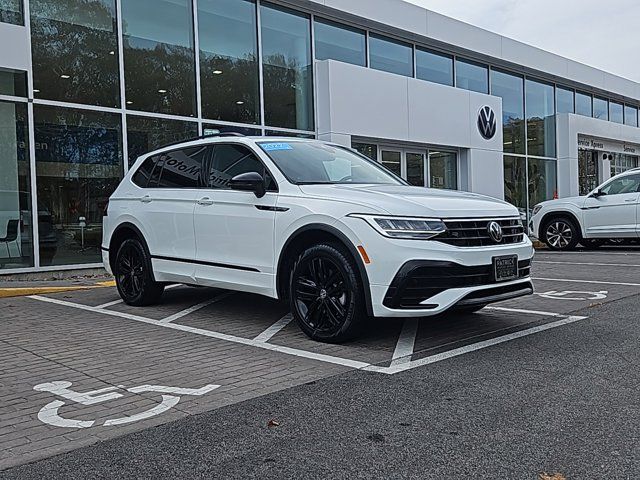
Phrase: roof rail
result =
(201, 137)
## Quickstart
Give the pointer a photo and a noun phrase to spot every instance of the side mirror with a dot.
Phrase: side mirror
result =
(598, 193)
(249, 182)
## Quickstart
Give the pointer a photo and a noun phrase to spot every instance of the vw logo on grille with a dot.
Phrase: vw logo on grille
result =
(487, 123)
(495, 231)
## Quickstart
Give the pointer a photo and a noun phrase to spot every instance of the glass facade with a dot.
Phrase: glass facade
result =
(565, 101)
(434, 67)
(584, 105)
(229, 71)
(541, 120)
(94, 76)
(511, 89)
(339, 42)
(472, 76)
(287, 68)
(16, 222)
(78, 164)
(11, 12)
(159, 59)
(75, 51)
(390, 55)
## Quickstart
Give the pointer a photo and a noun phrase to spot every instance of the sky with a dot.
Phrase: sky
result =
(604, 35)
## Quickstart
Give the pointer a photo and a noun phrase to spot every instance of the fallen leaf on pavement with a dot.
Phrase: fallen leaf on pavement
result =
(549, 476)
(273, 423)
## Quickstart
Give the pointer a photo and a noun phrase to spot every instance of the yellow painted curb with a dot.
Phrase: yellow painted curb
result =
(25, 291)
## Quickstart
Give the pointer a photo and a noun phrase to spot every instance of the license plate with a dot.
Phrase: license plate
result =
(505, 268)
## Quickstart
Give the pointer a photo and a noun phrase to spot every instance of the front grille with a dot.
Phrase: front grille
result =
(419, 280)
(475, 233)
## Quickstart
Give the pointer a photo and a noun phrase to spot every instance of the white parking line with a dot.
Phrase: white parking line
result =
(529, 312)
(195, 308)
(345, 362)
(589, 264)
(116, 302)
(270, 332)
(597, 282)
(406, 342)
(471, 348)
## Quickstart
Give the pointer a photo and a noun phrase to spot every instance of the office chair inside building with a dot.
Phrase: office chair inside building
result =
(11, 236)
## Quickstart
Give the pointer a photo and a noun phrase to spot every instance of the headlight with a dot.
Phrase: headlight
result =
(536, 209)
(414, 228)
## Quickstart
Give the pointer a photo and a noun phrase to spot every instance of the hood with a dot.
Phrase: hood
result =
(413, 201)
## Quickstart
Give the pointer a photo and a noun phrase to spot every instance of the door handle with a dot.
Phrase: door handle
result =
(205, 201)
(146, 199)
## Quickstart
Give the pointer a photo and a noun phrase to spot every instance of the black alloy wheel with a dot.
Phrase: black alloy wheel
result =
(134, 277)
(326, 294)
(561, 234)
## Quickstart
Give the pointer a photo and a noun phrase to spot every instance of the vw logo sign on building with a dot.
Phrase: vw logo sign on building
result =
(487, 124)
(495, 231)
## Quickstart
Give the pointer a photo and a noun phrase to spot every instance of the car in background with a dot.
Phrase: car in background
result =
(333, 233)
(610, 213)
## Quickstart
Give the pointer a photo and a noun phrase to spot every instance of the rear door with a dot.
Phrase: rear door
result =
(614, 214)
(235, 229)
(171, 184)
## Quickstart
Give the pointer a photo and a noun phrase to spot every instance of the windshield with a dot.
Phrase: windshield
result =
(317, 162)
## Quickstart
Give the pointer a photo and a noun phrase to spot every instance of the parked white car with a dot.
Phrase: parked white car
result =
(334, 233)
(610, 212)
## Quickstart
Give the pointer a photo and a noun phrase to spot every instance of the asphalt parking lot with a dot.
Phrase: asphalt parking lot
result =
(79, 368)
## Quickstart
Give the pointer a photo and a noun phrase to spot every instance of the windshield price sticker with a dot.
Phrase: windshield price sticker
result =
(274, 147)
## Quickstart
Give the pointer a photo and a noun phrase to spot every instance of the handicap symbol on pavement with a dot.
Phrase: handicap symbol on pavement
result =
(573, 295)
(49, 413)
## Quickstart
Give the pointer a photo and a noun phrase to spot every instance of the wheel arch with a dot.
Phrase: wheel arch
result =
(559, 214)
(122, 232)
(313, 234)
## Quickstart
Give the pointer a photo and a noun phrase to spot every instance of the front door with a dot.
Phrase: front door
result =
(422, 168)
(614, 213)
(234, 229)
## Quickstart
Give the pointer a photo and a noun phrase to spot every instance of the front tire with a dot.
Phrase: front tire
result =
(561, 234)
(326, 294)
(134, 277)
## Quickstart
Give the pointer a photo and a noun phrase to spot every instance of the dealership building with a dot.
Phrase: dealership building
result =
(88, 85)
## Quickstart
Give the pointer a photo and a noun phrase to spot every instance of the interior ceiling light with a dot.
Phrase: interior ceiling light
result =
(239, 102)
(129, 102)
(217, 72)
(35, 90)
(162, 90)
(65, 76)
(112, 52)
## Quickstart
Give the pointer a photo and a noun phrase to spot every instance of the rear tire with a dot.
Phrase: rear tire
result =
(561, 233)
(134, 276)
(326, 294)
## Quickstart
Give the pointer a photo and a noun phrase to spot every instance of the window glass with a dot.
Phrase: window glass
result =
(515, 183)
(541, 120)
(16, 225)
(622, 185)
(366, 149)
(78, 166)
(588, 172)
(472, 76)
(232, 160)
(339, 42)
(287, 68)
(305, 162)
(276, 133)
(390, 55)
(392, 161)
(583, 104)
(434, 67)
(621, 163)
(565, 101)
(182, 168)
(145, 134)
(511, 89)
(11, 12)
(13, 83)
(616, 112)
(542, 177)
(229, 60)
(159, 61)
(600, 108)
(443, 170)
(75, 51)
(415, 169)
(630, 116)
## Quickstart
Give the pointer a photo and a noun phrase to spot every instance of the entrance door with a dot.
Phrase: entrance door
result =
(422, 168)
(415, 167)
(613, 214)
(588, 175)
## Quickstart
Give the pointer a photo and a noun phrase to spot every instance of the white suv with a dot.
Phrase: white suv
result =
(611, 211)
(317, 224)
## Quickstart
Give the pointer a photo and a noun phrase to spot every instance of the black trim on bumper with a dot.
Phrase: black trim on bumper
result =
(496, 294)
(419, 280)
